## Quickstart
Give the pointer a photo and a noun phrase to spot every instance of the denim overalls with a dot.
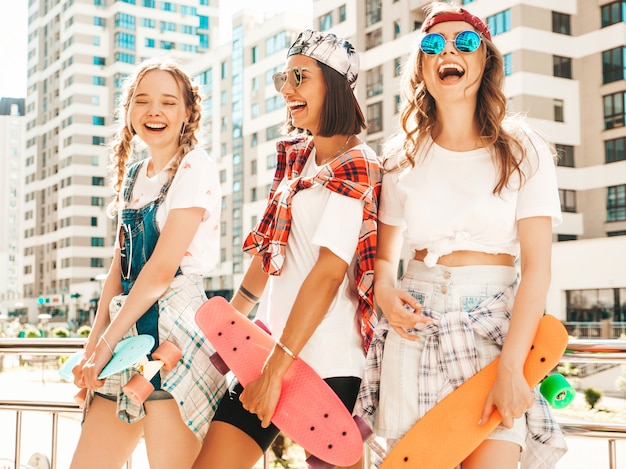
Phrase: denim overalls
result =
(140, 235)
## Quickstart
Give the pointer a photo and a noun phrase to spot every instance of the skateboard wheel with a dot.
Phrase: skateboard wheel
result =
(262, 326)
(219, 364)
(558, 391)
(138, 389)
(81, 397)
(313, 462)
(168, 353)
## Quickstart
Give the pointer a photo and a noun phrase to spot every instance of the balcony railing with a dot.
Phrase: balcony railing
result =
(51, 347)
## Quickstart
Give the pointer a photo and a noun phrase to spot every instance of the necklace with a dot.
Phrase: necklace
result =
(338, 152)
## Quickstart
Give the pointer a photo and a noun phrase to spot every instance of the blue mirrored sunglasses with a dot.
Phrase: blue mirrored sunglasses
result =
(465, 41)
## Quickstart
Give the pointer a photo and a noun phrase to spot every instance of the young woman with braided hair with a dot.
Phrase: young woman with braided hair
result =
(168, 210)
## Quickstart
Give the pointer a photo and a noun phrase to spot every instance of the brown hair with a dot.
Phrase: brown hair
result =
(418, 114)
(341, 113)
(122, 148)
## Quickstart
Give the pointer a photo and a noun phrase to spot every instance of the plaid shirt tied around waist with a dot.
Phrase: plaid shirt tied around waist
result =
(356, 173)
(450, 358)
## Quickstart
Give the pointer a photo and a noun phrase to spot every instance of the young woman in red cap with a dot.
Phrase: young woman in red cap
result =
(313, 250)
(470, 191)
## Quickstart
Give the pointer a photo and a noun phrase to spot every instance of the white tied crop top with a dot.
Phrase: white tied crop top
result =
(446, 202)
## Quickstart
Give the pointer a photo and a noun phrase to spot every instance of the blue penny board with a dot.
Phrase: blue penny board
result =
(127, 353)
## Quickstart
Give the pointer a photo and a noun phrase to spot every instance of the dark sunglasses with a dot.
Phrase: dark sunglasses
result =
(465, 41)
(125, 257)
(294, 76)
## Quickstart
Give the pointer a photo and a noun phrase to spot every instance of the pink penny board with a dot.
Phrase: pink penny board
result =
(308, 411)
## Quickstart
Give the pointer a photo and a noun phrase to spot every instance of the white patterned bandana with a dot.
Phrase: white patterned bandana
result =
(329, 49)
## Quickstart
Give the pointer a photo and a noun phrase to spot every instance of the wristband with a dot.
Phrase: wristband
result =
(107, 344)
(286, 350)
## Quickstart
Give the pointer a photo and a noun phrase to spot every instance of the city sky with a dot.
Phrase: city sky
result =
(14, 37)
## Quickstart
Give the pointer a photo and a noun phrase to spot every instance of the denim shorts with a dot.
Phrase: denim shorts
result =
(442, 289)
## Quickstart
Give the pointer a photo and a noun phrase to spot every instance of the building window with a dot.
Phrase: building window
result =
(565, 155)
(375, 117)
(595, 305)
(610, 234)
(168, 6)
(326, 21)
(99, 61)
(98, 21)
(499, 23)
(562, 66)
(397, 67)
(616, 203)
(270, 161)
(254, 52)
(99, 81)
(124, 57)
(97, 181)
(397, 29)
(561, 23)
(613, 65)
(398, 101)
(97, 242)
(342, 13)
(149, 43)
(224, 70)
(374, 81)
(568, 200)
(566, 237)
(614, 110)
(614, 150)
(373, 39)
(559, 114)
(97, 201)
(125, 41)
(508, 64)
(94, 221)
(97, 140)
(613, 13)
(373, 12)
(97, 120)
(96, 262)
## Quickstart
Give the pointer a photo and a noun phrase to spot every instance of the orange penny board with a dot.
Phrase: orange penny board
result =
(449, 432)
(308, 411)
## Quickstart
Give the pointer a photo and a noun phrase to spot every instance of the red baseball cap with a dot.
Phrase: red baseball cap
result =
(462, 15)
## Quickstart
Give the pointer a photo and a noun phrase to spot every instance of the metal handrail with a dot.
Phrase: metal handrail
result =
(43, 346)
(585, 351)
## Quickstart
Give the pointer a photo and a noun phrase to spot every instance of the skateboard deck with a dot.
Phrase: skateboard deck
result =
(308, 411)
(449, 432)
(128, 352)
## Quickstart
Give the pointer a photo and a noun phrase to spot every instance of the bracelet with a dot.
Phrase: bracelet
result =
(286, 350)
(248, 295)
(107, 344)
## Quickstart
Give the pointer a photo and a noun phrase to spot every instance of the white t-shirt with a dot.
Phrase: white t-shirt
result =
(196, 184)
(446, 201)
(320, 217)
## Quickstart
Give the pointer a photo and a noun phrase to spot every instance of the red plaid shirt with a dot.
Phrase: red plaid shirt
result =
(358, 174)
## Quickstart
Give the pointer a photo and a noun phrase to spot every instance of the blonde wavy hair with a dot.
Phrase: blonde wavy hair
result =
(418, 113)
(122, 143)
